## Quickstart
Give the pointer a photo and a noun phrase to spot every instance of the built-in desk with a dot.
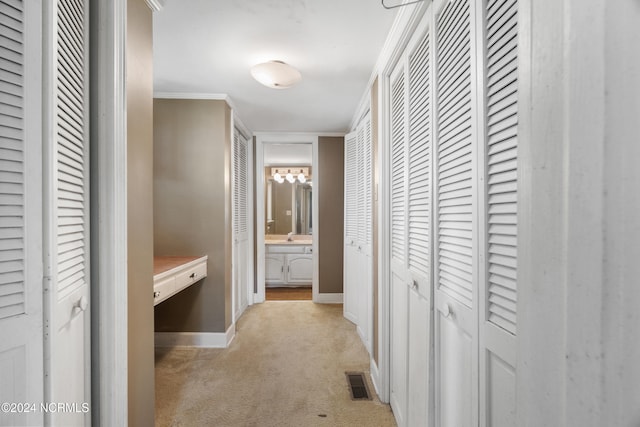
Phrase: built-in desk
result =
(171, 274)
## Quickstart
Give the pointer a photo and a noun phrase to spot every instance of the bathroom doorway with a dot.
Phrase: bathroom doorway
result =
(286, 217)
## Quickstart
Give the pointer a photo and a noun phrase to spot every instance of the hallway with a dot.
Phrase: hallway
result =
(285, 367)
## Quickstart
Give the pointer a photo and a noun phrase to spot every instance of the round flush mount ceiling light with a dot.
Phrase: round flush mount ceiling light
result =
(276, 74)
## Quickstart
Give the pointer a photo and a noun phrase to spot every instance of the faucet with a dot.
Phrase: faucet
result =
(289, 236)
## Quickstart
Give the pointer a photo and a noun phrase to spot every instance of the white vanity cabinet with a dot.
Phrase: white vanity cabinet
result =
(288, 264)
(274, 268)
(299, 269)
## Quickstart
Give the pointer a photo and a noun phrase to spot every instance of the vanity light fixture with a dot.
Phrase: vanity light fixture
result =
(290, 174)
(276, 74)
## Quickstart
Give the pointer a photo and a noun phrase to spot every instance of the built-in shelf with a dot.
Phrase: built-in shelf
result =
(172, 274)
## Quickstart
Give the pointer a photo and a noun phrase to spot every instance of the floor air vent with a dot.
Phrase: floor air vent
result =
(358, 386)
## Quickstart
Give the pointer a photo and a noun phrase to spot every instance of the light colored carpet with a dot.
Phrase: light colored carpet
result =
(286, 367)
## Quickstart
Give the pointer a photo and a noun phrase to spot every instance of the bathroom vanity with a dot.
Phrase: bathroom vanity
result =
(172, 274)
(288, 263)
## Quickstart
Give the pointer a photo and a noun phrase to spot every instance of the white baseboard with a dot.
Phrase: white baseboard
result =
(328, 298)
(375, 376)
(196, 339)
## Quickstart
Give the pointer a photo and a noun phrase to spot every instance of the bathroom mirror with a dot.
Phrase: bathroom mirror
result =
(288, 204)
(289, 207)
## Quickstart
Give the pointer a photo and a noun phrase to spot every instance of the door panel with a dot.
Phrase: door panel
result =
(68, 327)
(456, 216)
(240, 223)
(454, 382)
(500, 392)
(419, 357)
(399, 347)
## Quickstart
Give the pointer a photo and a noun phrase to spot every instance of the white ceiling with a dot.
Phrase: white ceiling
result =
(208, 46)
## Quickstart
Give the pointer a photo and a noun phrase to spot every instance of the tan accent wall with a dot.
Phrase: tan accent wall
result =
(192, 208)
(139, 74)
(374, 204)
(330, 213)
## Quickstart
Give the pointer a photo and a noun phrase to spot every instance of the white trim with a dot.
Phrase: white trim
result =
(375, 375)
(191, 95)
(263, 138)
(307, 134)
(336, 298)
(196, 339)
(109, 369)
(155, 5)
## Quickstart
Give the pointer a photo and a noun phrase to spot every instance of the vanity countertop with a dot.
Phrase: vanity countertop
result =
(286, 242)
(281, 239)
(162, 264)
(172, 274)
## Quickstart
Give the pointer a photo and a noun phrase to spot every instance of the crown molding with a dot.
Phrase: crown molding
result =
(156, 5)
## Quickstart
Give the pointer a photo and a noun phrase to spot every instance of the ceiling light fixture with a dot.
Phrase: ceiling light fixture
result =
(276, 74)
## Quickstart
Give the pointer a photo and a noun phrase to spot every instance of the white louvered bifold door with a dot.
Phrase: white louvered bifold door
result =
(68, 367)
(419, 150)
(456, 210)
(399, 295)
(350, 275)
(411, 284)
(240, 223)
(500, 162)
(21, 286)
(364, 262)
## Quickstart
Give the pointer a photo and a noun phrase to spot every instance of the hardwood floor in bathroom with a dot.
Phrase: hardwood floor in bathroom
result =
(288, 294)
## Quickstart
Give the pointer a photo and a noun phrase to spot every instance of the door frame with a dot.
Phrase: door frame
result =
(109, 283)
(283, 138)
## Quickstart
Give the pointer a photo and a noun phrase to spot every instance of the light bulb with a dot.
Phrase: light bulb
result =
(277, 177)
(290, 178)
(301, 178)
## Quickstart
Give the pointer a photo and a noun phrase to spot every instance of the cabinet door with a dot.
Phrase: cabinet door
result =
(274, 268)
(299, 269)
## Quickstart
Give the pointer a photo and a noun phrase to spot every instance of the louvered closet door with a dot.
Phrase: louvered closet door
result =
(240, 222)
(68, 368)
(399, 294)
(366, 300)
(411, 130)
(456, 282)
(498, 311)
(21, 288)
(350, 281)
(419, 221)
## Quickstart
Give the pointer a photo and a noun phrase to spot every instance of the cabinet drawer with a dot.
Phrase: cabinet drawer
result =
(285, 249)
(191, 275)
(163, 289)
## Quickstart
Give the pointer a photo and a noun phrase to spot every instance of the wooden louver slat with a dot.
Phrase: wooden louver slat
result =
(12, 147)
(351, 219)
(502, 174)
(454, 180)
(398, 168)
(72, 201)
(419, 158)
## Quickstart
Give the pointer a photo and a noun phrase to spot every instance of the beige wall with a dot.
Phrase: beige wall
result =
(192, 208)
(140, 218)
(331, 213)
